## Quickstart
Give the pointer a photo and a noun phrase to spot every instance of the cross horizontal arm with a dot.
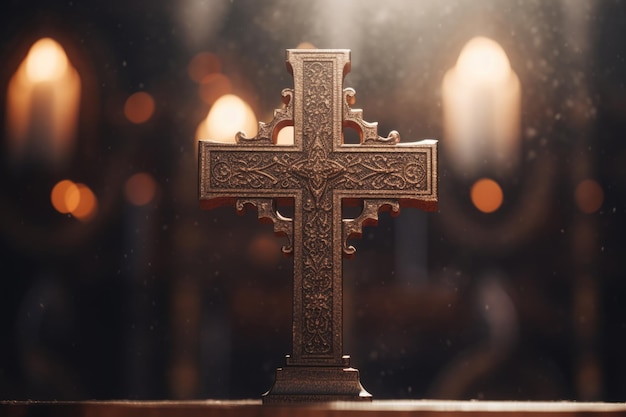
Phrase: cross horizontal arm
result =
(403, 171)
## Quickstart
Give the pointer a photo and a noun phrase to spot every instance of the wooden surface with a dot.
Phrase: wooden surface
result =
(254, 408)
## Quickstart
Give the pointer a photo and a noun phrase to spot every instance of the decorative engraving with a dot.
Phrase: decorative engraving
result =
(354, 171)
(252, 170)
(317, 173)
(317, 170)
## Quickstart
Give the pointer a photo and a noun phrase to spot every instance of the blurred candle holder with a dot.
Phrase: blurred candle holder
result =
(481, 103)
(481, 100)
(43, 106)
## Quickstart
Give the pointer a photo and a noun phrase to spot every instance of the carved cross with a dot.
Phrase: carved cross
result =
(317, 174)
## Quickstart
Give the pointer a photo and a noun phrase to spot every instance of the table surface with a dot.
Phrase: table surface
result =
(254, 408)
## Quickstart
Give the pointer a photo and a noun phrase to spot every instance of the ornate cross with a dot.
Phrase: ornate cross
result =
(317, 174)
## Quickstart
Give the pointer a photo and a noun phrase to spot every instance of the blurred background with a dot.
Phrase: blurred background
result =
(114, 284)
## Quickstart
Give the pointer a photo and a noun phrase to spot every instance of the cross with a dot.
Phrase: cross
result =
(317, 174)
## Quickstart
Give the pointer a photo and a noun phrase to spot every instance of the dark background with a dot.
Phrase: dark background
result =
(168, 301)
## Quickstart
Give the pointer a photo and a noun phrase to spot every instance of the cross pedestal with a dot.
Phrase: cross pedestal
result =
(317, 174)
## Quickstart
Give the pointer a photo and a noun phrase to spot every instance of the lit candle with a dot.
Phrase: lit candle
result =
(228, 116)
(43, 104)
(481, 105)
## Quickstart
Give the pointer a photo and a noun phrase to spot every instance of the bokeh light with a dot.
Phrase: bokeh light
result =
(486, 194)
(264, 251)
(214, 86)
(87, 203)
(73, 198)
(229, 115)
(59, 194)
(202, 65)
(139, 107)
(589, 196)
(140, 189)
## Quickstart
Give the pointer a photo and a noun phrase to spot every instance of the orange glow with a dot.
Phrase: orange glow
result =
(140, 189)
(77, 199)
(306, 45)
(43, 100)
(229, 115)
(202, 65)
(58, 195)
(87, 203)
(264, 251)
(285, 136)
(589, 196)
(46, 61)
(484, 59)
(486, 195)
(481, 99)
(213, 86)
(139, 107)
(72, 197)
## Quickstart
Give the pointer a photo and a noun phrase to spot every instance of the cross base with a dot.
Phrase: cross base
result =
(302, 384)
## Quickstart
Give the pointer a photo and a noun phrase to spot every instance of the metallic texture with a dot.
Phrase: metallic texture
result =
(318, 173)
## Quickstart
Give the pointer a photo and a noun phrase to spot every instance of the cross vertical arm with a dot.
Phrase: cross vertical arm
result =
(318, 173)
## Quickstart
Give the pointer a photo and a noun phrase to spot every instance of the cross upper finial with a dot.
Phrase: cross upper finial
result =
(318, 173)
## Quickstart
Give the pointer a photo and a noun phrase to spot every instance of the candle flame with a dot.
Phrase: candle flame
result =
(229, 115)
(484, 60)
(46, 61)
